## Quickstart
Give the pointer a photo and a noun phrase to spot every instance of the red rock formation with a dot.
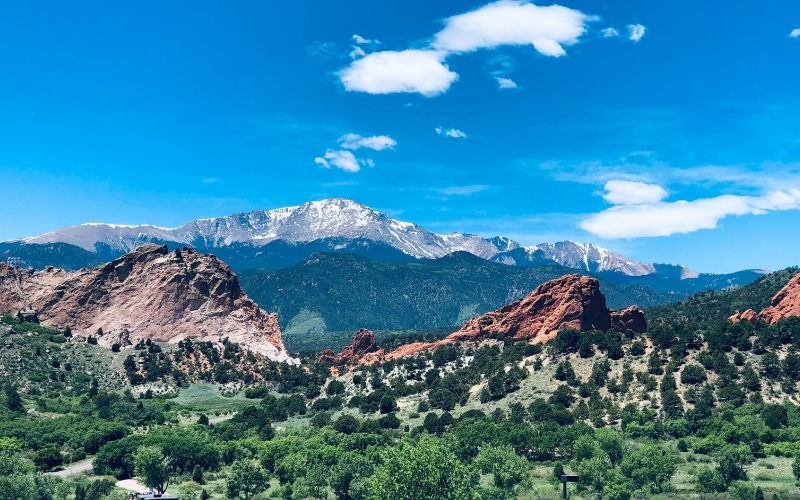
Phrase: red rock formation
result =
(150, 293)
(785, 304)
(571, 301)
(630, 318)
(364, 343)
(748, 315)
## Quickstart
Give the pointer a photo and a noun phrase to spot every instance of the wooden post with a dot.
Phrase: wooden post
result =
(568, 478)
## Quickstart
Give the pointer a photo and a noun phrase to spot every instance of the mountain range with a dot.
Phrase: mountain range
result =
(283, 237)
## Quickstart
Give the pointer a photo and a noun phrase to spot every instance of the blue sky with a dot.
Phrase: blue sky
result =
(675, 137)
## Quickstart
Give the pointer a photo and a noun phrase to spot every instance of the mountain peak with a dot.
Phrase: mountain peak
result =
(337, 218)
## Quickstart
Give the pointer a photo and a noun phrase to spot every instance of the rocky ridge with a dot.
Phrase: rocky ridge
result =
(785, 304)
(151, 293)
(572, 301)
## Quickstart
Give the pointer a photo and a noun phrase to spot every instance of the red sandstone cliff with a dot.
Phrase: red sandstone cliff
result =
(150, 293)
(571, 301)
(785, 303)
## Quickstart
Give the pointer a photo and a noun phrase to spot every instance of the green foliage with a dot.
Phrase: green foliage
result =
(246, 479)
(420, 471)
(649, 467)
(152, 467)
(509, 470)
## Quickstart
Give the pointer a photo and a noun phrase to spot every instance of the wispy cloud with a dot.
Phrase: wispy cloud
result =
(504, 83)
(210, 180)
(636, 32)
(462, 190)
(609, 32)
(452, 133)
(325, 50)
(795, 33)
(375, 142)
(660, 218)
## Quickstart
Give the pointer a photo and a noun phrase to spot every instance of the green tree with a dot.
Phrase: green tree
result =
(612, 443)
(731, 461)
(13, 400)
(649, 466)
(508, 469)
(796, 467)
(152, 467)
(246, 479)
(426, 470)
(350, 469)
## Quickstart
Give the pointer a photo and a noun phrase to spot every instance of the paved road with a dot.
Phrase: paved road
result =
(74, 468)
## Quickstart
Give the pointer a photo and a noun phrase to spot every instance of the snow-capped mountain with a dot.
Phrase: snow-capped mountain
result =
(584, 256)
(339, 219)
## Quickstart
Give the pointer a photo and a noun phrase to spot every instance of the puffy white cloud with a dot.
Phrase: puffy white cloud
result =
(504, 83)
(636, 32)
(346, 160)
(623, 192)
(462, 190)
(795, 33)
(609, 32)
(512, 22)
(667, 218)
(375, 142)
(342, 159)
(453, 133)
(505, 22)
(386, 72)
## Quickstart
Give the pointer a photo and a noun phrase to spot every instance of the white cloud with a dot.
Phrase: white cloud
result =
(363, 40)
(504, 83)
(453, 133)
(386, 72)
(357, 52)
(342, 159)
(505, 22)
(636, 32)
(462, 190)
(795, 33)
(609, 32)
(679, 217)
(345, 159)
(512, 22)
(375, 142)
(622, 192)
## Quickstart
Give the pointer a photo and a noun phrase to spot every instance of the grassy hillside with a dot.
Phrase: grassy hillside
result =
(330, 292)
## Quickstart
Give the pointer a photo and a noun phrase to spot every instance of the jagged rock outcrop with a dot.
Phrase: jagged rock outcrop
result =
(149, 293)
(364, 343)
(785, 304)
(630, 318)
(747, 315)
(571, 301)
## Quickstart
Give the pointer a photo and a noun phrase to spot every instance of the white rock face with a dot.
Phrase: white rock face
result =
(333, 218)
